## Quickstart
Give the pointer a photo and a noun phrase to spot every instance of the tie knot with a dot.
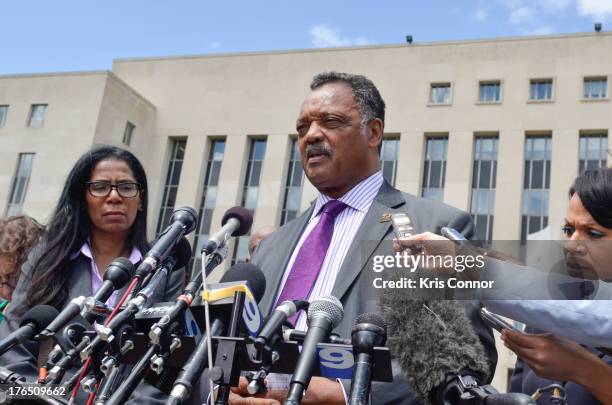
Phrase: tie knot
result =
(333, 208)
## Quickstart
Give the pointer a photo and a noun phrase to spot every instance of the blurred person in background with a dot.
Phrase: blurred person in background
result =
(18, 234)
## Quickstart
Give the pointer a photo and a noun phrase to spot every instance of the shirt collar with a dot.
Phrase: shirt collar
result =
(85, 250)
(358, 198)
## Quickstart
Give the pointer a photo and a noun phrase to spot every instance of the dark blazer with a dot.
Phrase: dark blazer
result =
(525, 380)
(22, 359)
(274, 252)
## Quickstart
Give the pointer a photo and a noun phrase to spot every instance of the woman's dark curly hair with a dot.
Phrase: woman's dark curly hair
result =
(594, 187)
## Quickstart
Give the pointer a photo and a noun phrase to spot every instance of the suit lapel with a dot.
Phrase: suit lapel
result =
(80, 278)
(289, 237)
(372, 230)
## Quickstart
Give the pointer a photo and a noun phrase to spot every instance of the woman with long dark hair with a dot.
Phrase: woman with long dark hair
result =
(585, 373)
(101, 215)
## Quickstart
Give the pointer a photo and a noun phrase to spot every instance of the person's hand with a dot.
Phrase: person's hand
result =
(320, 391)
(428, 244)
(550, 356)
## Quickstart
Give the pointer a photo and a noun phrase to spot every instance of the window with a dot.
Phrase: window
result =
(540, 89)
(592, 152)
(37, 115)
(250, 191)
(20, 183)
(3, 113)
(434, 168)
(484, 177)
(128, 132)
(595, 87)
(388, 158)
(536, 184)
(209, 193)
(489, 92)
(293, 185)
(171, 186)
(440, 93)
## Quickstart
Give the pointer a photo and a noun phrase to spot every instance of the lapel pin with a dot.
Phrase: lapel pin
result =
(386, 217)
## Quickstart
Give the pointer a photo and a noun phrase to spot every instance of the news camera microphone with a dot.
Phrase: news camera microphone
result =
(191, 371)
(274, 324)
(324, 314)
(236, 221)
(434, 344)
(117, 274)
(182, 222)
(370, 330)
(32, 322)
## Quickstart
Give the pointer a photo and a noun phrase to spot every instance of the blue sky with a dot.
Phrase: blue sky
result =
(58, 35)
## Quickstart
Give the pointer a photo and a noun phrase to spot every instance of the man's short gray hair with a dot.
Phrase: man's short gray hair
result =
(366, 95)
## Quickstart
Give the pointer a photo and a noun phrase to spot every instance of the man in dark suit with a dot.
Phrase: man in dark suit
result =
(326, 250)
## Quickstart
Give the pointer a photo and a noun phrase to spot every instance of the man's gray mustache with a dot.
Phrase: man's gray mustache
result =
(318, 149)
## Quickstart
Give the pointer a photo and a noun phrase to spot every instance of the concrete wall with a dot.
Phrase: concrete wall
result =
(68, 131)
(260, 93)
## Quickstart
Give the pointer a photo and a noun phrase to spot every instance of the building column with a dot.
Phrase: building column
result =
(509, 185)
(563, 172)
(231, 180)
(272, 185)
(192, 174)
(459, 157)
(410, 162)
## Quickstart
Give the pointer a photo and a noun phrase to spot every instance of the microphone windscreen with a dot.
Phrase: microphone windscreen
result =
(186, 216)
(182, 253)
(119, 271)
(243, 216)
(40, 315)
(431, 339)
(251, 274)
(327, 306)
(373, 318)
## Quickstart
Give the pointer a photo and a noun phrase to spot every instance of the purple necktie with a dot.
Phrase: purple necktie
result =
(309, 259)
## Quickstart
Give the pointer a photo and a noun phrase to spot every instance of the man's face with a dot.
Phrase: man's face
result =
(336, 153)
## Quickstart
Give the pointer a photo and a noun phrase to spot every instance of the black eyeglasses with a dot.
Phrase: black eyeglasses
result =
(104, 188)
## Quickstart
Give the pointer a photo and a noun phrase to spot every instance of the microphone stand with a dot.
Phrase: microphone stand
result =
(225, 362)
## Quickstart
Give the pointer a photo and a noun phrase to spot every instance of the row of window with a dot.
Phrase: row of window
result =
(536, 184)
(38, 113)
(490, 91)
(36, 116)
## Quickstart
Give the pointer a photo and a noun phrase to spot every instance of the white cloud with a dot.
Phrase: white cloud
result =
(323, 36)
(479, 14)
(520, 14)
(595, 8)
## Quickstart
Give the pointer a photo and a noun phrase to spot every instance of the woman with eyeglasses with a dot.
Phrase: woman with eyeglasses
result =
(101, 215)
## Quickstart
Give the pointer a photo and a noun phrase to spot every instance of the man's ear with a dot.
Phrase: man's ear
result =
(375, 133)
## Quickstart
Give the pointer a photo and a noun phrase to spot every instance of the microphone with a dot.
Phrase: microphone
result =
(370, 330)
(182, 222)
(32, 322)
(324, 314)
(191, 371)
(117, 274)
(180, 256)
(274, 324)
(434, 344)
(236, 221)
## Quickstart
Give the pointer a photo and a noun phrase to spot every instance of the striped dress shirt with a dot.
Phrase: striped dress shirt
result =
(347, 223)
